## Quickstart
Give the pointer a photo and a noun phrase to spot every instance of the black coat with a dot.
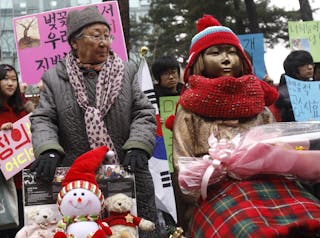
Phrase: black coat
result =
(284, 104)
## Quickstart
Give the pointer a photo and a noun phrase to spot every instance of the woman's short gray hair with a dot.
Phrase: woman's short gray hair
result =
(74, 38)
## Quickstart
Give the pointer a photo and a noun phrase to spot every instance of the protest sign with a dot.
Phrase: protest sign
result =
(254, 45)
(304, 97)
(16, 150)
(41, 39)
(304, 35)
(167, 108)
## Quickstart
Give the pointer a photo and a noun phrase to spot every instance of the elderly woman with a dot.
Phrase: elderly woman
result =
(90, 99)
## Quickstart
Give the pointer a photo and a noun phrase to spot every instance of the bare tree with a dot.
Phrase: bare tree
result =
(26, 27)
(27, 41)
(305, 10)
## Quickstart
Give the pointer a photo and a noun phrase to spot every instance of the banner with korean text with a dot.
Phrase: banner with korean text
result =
(304, 97)
(16, 150)
(41, 39)
(304, 35)
(254, 45)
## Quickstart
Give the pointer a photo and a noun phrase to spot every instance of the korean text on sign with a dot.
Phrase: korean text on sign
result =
(16, 150)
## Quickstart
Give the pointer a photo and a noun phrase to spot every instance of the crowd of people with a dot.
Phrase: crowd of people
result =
(93, 98)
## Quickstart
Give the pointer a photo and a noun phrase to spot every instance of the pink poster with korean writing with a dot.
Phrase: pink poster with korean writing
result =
(16, 150)
(41, 39)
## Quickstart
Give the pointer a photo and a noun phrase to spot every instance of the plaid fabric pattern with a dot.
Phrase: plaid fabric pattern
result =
(272, 207)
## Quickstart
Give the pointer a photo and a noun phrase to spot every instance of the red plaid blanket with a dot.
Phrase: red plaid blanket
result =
(272, 207)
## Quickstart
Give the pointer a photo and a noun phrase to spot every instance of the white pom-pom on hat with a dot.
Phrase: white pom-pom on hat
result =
(110, 154)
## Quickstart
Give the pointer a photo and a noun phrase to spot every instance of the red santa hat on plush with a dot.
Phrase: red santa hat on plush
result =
(82, 173)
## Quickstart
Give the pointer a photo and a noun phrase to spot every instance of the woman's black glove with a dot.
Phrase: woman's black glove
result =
(136, 158)
(45, 165)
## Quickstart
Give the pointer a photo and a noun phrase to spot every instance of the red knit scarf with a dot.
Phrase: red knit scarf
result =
(227, 97)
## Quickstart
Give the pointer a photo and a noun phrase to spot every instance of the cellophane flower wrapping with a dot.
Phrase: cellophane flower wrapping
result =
(283, 148)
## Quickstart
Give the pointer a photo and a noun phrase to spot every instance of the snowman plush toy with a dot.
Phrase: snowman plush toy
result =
(80, 200)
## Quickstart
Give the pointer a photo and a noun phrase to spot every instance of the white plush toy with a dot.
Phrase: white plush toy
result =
(42, 224)
(80, 200)
(122, 223)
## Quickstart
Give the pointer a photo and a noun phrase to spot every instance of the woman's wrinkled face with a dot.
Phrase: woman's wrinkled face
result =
(222, 60)
(305, 72)
(93, 46)
(9, 84)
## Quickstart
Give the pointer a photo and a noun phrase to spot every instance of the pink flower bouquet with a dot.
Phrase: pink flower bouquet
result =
(280, 148)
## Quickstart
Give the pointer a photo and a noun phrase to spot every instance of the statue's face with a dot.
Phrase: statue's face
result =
(222, 60)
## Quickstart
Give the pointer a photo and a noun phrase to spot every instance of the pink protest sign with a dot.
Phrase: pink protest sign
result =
(41, 39)
(16, 150)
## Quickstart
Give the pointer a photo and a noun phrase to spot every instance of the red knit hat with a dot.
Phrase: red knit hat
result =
(82, 173)
(210, 32)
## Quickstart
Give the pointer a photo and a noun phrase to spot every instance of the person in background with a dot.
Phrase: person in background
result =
(166, 71)
(93, 98)
(316, 76)
(298, 65)
(225, 99)
(12, 108)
